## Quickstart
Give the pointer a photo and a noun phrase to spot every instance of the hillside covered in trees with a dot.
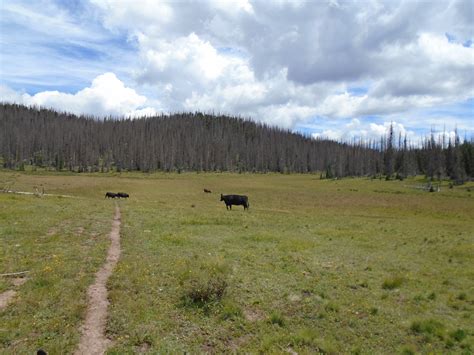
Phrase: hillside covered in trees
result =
(201, 142)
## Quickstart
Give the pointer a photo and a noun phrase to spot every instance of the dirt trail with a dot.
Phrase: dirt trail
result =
(93, 340)
(7, 297)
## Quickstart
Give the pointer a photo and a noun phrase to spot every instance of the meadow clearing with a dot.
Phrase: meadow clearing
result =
(330, 266)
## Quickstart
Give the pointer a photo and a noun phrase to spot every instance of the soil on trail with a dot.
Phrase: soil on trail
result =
(6, 297)
(93, 340)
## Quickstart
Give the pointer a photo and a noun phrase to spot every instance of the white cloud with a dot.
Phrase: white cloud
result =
(144, 15)
(233, 7)
(107, 95)
(9, 95)
(190, 74)
(280, 62)
(356, 129)
(144, 112)
(45, 45)
(269, 60)
(190, 56)
(439, 50)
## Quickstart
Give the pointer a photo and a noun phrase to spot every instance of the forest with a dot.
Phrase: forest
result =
(44, 138)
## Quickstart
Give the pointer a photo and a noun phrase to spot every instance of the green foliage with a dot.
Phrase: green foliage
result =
(458, 335)
(305, 337)
(231, 310)
(204, 282)
(331, 307)
(392, 283)
(428, 327)
(308, 338)
(277, 318)
(408, 350)
(364, 284)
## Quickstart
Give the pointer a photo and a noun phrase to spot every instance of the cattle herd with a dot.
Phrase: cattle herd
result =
(229, 200)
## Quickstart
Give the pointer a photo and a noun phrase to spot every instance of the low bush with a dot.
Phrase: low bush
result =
(458, 335)
(277, 318)
(392, 283)
(204, 283)
(428, 327)
(230, 310)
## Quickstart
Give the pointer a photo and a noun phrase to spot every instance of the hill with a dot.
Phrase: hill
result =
(203, 142)
(184, 141)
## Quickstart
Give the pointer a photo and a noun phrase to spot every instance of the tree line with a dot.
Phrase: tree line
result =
(202, 142)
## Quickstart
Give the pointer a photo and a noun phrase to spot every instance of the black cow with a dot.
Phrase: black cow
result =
(207, 191)
(110, 195)
(122, 195)
(238, 200)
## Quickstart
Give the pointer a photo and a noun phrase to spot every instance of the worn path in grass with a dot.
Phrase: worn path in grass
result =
(93, 339)
(7, 297)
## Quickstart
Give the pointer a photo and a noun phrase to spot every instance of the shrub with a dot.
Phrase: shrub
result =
(418, 298)
(408, 350)
(277, 318)
(331, 307)
(309, 338)
(231, 310)
(392, 283)
(204, 283)
(364, 284)
(458, 335)
(428, 327)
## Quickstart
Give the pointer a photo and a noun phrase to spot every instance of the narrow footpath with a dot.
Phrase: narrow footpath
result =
(93, 340)
(8, 296)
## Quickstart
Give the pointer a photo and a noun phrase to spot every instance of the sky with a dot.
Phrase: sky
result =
(337, 69)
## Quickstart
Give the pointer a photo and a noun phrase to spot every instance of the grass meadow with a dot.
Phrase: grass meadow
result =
(332, 266)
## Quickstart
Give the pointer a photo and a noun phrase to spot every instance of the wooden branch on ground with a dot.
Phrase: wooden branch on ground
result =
(15, 273)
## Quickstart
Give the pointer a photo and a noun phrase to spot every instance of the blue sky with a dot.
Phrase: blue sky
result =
(339, 69)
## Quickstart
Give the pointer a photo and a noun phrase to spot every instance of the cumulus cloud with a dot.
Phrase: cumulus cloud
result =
(189, 73)
(280, 62)
(46, 45)
(270, 60)
(9, 95)
(107, 95)
(358, 130)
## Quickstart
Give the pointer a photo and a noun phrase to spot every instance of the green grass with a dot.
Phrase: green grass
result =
(428, 327)
(352, 265)
(61, 242)
(392, 283)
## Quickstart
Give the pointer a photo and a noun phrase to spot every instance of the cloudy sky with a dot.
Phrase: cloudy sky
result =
(339, 69)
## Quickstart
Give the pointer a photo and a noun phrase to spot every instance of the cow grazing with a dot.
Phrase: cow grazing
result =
(110, 195)
(238, 200)
(207, 191)
(122, 195)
